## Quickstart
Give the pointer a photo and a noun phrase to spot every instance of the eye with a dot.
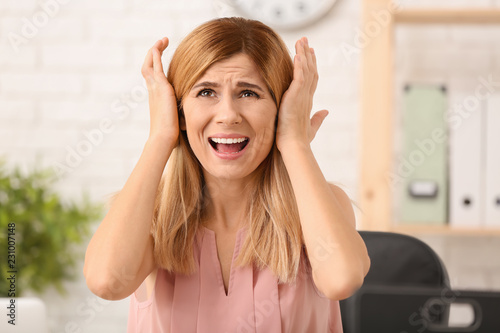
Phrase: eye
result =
(206, 93)
(249, 93)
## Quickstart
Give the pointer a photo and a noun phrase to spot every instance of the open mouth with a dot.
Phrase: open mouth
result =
(228, 145)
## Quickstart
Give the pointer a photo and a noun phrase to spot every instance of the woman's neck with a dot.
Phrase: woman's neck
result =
(227, 201)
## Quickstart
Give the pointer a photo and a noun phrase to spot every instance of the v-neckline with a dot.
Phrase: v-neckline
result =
(216, 261)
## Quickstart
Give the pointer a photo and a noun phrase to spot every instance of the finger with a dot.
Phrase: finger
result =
(300, 60)
(298, 74)
(147, 65)
(313, 56)
(316, 121)
(157, 64)
(303, 52)
(307, 66)
(307, 51)
(161, 45)
(312, 74)
(164, 44)
(315, 68)
(297, 46)
(298, 66)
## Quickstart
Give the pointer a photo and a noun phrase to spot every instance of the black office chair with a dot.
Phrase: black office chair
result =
(407, 290)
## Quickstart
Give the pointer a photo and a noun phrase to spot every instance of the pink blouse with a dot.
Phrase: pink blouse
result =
(255, 301)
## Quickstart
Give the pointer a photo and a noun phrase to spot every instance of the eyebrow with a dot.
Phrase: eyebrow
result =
(241, 84)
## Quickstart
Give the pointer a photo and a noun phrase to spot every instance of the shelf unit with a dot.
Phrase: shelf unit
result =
(377, 108)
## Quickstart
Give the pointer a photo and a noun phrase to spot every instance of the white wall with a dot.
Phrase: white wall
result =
(76, 74)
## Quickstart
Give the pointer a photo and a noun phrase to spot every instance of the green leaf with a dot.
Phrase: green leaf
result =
(46, 229)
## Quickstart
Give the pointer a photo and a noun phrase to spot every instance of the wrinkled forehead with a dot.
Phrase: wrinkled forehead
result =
(233, 69)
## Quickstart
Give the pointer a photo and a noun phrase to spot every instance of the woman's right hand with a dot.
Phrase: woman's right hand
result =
(164, 121)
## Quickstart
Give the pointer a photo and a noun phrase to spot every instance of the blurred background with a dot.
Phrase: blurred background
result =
(72, 100)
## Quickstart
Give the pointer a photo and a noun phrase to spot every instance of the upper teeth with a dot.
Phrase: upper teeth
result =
(228, 140)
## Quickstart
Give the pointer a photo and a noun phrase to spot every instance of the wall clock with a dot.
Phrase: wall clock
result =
(279, 14)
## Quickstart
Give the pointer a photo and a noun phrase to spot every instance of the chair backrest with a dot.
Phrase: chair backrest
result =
(399, 261)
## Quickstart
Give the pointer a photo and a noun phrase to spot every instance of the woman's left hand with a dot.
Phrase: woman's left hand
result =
(295, 125)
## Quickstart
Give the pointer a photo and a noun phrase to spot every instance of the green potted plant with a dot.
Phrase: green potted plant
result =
(40, 232)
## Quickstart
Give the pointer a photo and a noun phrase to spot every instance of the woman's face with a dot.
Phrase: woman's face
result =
(229, 117)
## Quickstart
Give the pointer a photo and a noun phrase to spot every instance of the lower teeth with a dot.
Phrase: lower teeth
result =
(233, 152)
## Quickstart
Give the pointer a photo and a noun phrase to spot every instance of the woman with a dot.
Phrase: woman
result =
(242, 233)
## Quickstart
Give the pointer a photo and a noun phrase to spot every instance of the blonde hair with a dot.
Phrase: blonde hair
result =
(274, 239)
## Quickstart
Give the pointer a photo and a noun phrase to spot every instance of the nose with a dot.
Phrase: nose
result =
(228, 112)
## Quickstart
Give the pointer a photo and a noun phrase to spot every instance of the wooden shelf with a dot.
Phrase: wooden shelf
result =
(377, 111)
(444, 16)
(445, 230)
